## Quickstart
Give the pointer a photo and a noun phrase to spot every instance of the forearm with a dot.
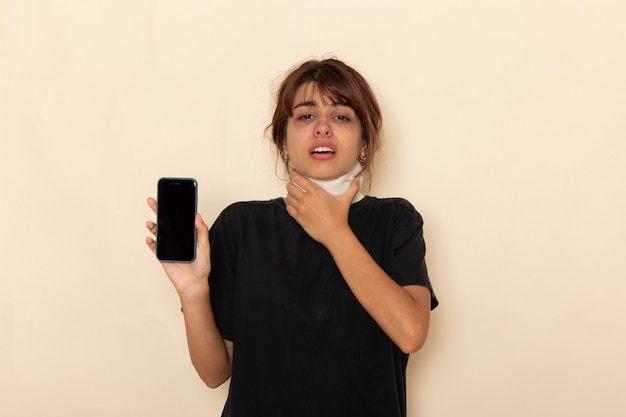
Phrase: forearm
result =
(401, 313)
(208, 351)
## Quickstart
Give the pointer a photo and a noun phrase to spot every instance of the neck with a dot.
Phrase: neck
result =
(338, 186)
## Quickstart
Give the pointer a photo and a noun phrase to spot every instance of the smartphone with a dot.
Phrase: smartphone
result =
(177, 204)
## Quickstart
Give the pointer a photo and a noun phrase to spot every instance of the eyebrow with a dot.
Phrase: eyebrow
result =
(313, 103)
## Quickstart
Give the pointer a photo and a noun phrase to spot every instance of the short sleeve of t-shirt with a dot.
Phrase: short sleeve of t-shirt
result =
(405, 258)
(221, 278)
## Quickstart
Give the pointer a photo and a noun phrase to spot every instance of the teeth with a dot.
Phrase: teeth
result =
(322, 149)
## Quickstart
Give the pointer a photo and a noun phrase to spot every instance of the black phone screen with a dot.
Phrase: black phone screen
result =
(176, 212)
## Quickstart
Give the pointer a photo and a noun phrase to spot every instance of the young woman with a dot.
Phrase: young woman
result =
(311, 303)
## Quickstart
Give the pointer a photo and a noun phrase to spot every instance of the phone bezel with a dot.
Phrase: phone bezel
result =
(160, 247)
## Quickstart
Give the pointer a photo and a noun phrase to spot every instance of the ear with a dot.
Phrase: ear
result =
(363, 154)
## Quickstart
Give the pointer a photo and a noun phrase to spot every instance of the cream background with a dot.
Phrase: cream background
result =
(505, 125)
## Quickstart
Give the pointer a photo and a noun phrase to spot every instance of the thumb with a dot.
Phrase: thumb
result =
(202, 231)
(352, 190)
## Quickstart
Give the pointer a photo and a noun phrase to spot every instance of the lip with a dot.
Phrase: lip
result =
(322, 152)
(328, 147)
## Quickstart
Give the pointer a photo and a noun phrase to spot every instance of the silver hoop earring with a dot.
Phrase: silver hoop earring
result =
(362, 159)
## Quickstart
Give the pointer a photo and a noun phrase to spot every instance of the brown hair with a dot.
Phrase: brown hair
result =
(339, 82)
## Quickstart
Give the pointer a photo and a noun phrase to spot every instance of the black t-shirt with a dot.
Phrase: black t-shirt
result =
(303, 345)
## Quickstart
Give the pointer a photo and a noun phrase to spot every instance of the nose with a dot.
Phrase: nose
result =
(322, 129)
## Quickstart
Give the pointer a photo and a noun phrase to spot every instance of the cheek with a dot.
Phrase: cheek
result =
(288, 134)
(292, 136)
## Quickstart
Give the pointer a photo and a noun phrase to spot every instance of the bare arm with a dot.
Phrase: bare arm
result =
(210, 354)
(403, 313)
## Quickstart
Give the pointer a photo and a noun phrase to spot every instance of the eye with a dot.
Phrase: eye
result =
(344, 113)
(305, 116)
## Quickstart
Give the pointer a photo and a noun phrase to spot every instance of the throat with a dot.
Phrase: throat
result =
(338, 186)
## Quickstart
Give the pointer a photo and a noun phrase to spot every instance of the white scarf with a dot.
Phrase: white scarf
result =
(339, 186)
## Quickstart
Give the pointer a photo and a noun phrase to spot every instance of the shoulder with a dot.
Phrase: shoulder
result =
(397, 208)
(247, 211)
(251, 207)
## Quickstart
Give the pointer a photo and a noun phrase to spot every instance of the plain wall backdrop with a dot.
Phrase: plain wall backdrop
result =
(505, 125)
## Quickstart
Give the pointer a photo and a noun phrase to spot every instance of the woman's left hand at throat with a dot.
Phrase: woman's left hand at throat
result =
(321, 214)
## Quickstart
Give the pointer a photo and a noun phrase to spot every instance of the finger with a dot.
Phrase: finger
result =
(151, 226)
(200, 224)
(153, 204)
(295, 190)
(295, 174)
(151, 244)
(202, 232)
(289, 206)
(299, 180)
(352, 190)
(291, 202)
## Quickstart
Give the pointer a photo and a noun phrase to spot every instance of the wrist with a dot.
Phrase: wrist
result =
(339, 238)
(198, 294)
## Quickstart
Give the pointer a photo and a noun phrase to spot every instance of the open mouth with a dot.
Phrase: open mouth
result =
(322, 150)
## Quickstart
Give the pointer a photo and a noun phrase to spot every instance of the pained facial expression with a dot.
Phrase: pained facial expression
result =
(323, 138)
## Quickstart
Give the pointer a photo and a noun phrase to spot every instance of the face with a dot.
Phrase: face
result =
(323, 138)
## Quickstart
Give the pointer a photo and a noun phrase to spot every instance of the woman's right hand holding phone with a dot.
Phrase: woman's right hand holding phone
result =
(189, 279)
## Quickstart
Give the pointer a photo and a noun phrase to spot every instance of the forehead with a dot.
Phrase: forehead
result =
(311, 92)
